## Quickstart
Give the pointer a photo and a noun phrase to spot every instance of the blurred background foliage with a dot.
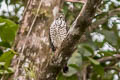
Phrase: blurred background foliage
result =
(101, 43)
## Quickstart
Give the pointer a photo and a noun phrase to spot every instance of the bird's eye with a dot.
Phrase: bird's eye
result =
(61, 16)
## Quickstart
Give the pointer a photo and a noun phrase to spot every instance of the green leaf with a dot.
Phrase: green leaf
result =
(5, 44)
(65, 9)
(2, 63)
(107, 53)
(94, 76)
(78, 5)
(62, 77)
(99, 44)
(10, 70)
(108, 76)
(5, 71)
(74, 66)
(0, 2)
(76, 58)
(110, 37)
(75, 61)
(88, 48)
(93, 61)
(2, 24)
(8, 30)
(7, 57)
(83, 51)
(99, 69)
(1, 52)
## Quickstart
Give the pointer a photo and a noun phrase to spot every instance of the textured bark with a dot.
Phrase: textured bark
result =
(75, 34)
(35, 60)
(32, 42)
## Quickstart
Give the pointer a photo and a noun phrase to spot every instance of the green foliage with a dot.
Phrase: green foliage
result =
(8, 29)
(62, 77)
(5, 44)
(11, 10)
(5, 60)
(71, 13)
(7, 57)
(110, 37)
(74, 66)
(98, 69)
(7, 32)
(93, 61)
(1, 52)
(87, 54)
(107, 53)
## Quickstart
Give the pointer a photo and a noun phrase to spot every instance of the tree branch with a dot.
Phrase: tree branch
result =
(105, 18)
(100, 22)
(109, 58)
(104, 59)
(112, 68)
(69, 44)
(81, 1)
(79, 27)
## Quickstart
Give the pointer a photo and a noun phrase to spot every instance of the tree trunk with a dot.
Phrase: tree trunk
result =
(35, 60)
(32, 41)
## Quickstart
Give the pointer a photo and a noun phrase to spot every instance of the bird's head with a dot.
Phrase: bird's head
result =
(60, 16)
